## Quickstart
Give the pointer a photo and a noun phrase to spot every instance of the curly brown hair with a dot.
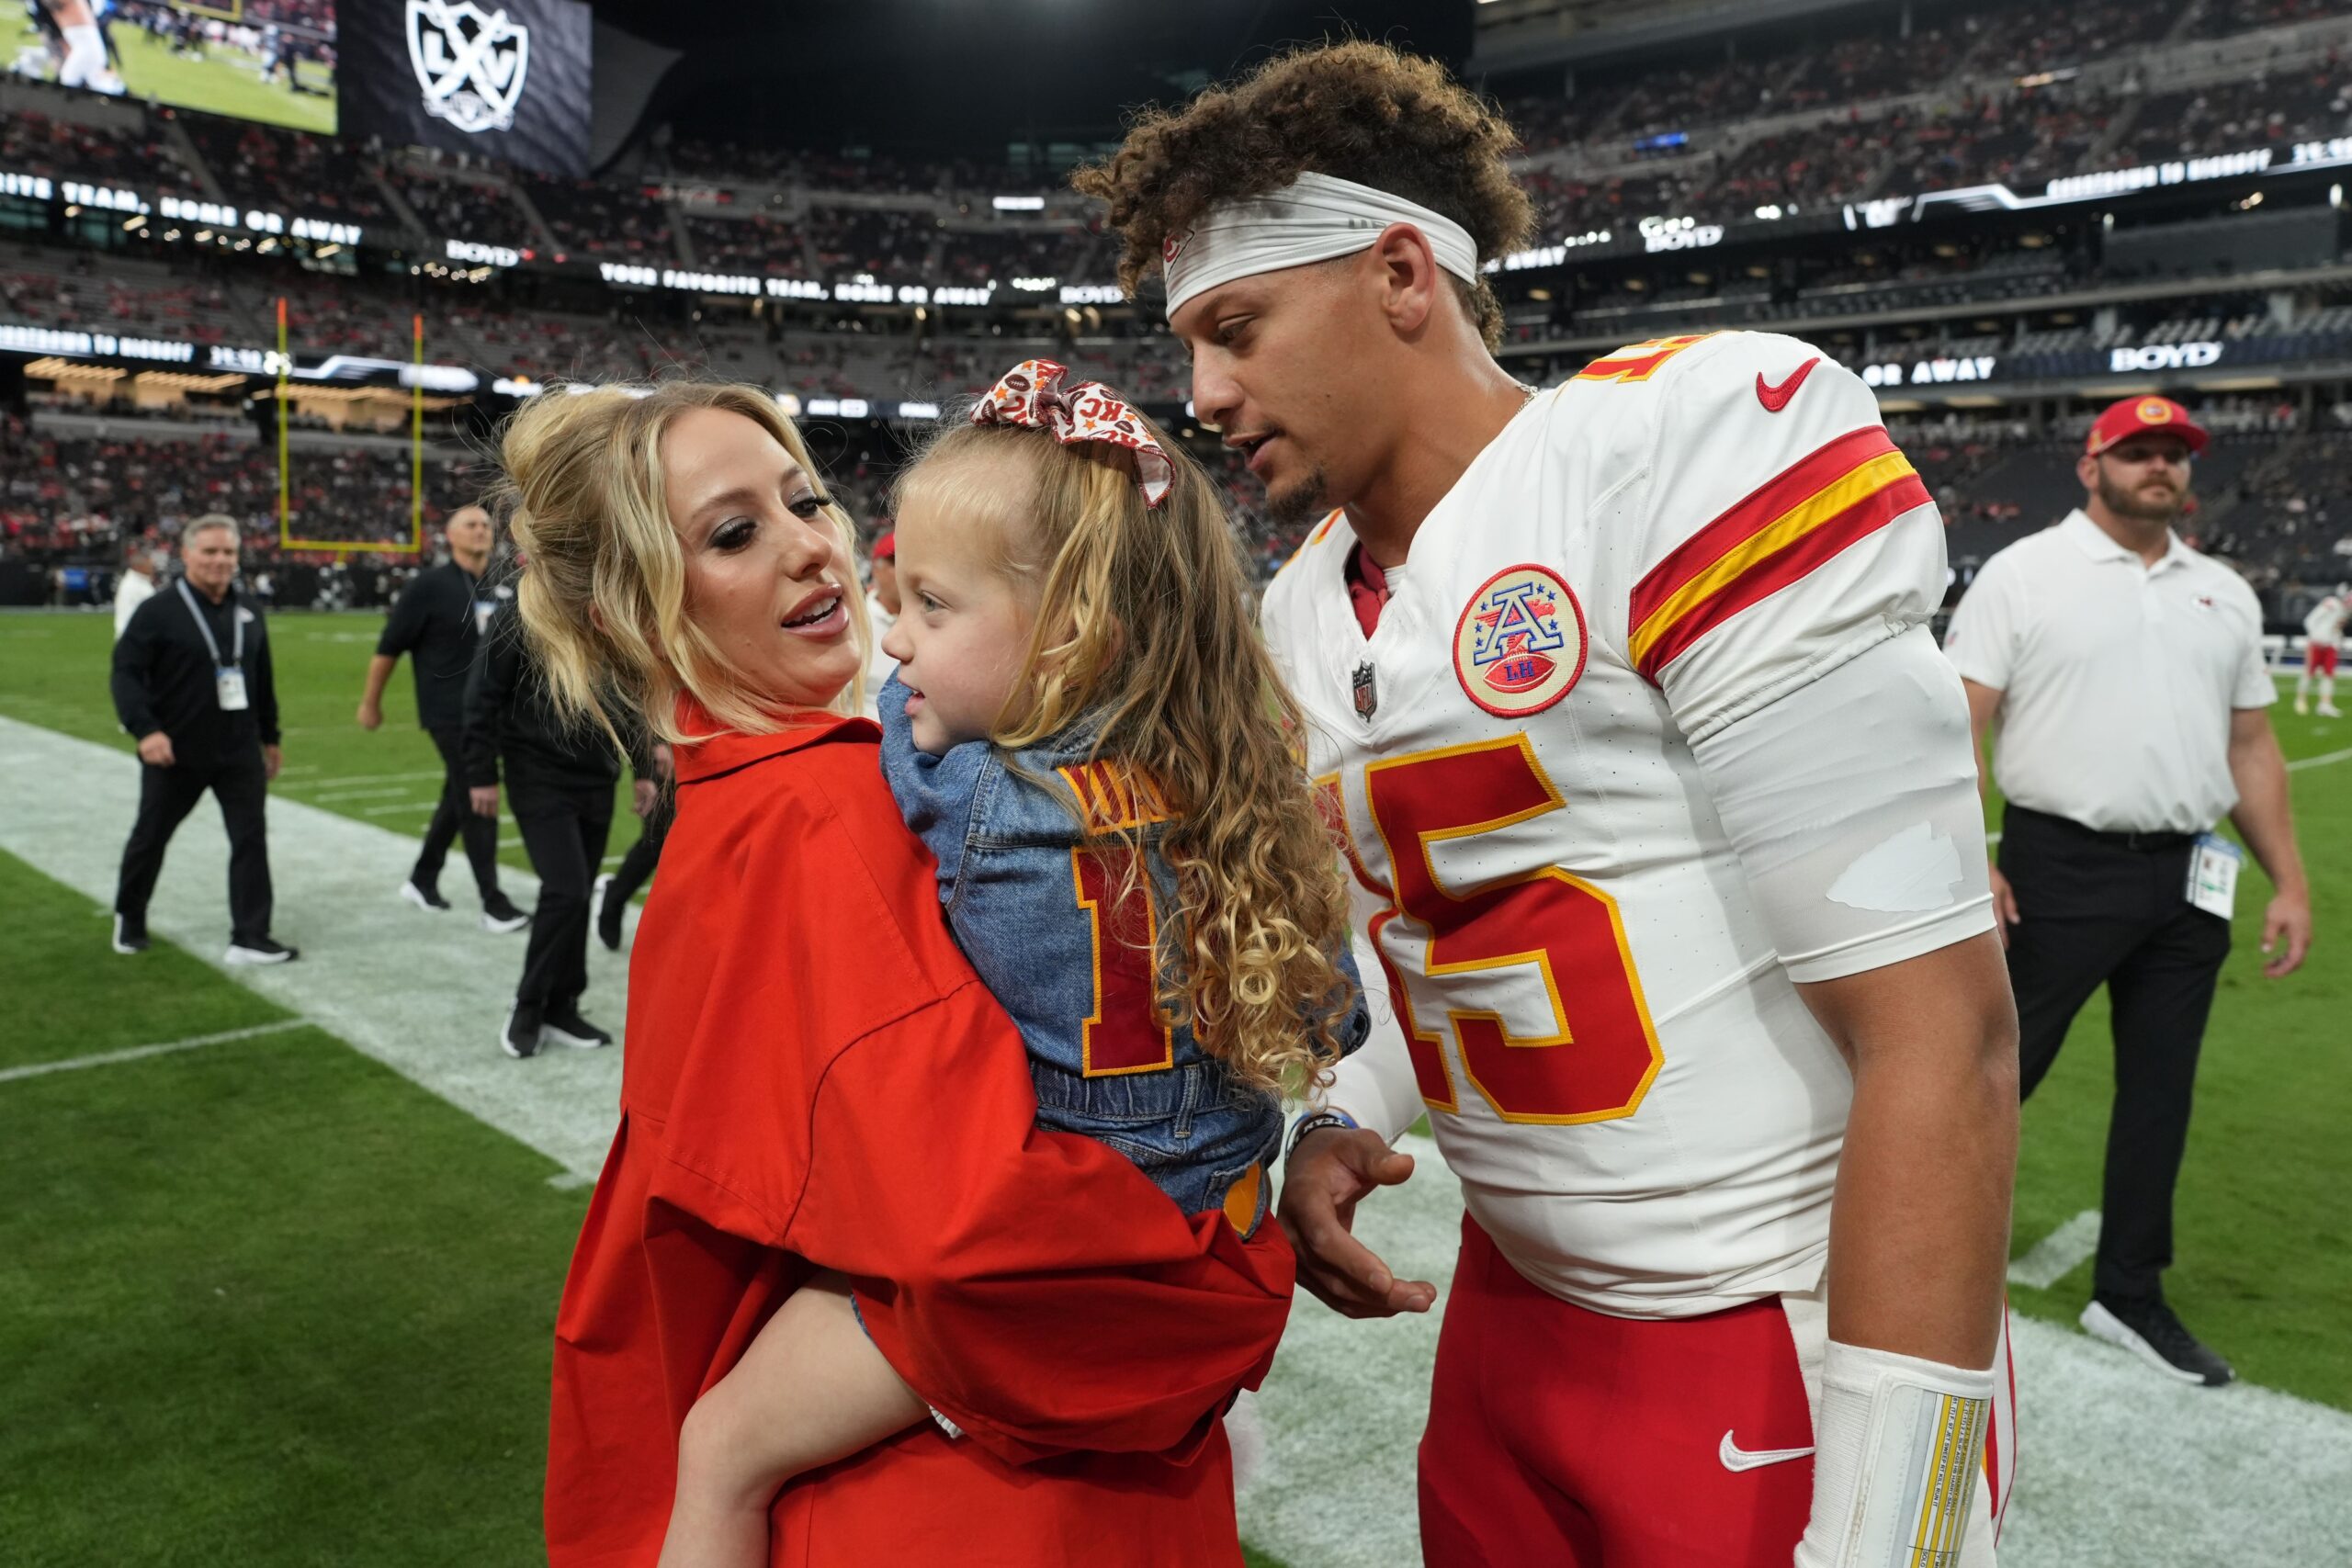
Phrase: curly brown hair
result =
(1356, 111)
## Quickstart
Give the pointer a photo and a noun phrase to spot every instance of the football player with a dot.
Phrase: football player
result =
(1659, 801)
(2322, 631)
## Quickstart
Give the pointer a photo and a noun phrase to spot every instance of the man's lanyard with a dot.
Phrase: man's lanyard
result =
(236, 637)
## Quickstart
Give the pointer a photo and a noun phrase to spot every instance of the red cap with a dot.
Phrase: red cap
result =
(886, 547)
(2134, 415)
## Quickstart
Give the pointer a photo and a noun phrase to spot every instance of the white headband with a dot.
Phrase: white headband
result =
(1314, 218)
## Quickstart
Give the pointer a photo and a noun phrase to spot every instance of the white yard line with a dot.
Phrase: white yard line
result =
(342, 780)
(2119, 1465)
(2325, 758)
(2058, 1254)
(395, 808)
(141, 1052)
(374, 791)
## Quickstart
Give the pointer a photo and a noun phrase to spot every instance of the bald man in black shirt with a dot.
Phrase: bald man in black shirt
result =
(437, 623)
(192, 681)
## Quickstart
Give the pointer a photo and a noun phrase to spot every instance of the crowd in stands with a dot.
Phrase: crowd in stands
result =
(2302, 102)
(462, 209)
(263, 165)
(33, 142)
(595, 219)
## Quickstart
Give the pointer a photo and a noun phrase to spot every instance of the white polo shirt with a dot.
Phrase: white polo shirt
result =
(2119, 678)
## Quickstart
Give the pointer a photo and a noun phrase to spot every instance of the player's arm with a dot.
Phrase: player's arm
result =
(1783, 618)
(371, 698)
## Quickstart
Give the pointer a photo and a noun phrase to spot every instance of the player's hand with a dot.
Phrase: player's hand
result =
(155, 750)
(2004, 906)
(272, 759)
(1328, 1173)
(645, 793)
(2288, 917)
(484, 798)
(371, 715)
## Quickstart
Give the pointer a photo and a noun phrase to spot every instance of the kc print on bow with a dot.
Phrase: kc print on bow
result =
(1032, 394)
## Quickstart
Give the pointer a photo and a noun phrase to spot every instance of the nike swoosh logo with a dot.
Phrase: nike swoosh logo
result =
(1735, 1458)
(1777, 398)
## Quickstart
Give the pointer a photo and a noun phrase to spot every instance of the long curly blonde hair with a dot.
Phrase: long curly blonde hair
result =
(603, 593)
(1143, 627)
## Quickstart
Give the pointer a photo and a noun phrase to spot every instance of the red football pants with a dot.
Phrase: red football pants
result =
(1567, 1437)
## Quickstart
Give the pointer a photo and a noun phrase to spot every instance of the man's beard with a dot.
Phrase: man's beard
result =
(2128, 502)
(1305, 501)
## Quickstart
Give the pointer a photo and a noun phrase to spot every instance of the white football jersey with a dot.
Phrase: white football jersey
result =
(1642, 1111)
(2325, 624)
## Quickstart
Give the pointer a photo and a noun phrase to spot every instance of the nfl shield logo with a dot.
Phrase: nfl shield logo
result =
(1367, 691)
(470, 66)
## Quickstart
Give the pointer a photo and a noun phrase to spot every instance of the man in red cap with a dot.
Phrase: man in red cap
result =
(2126, 672)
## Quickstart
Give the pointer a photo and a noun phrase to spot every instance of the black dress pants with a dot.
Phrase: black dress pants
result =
(638, 866)
(453, 818)
(2092, 912)
(165, 797)
(564, 833)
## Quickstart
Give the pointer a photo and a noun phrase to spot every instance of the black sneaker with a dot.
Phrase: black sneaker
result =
(130, 937)
(261, 950)
(566, 1027)
(423, 898)
(519, 1036)
(499, 914)
(608, 912)
(2150, 1331)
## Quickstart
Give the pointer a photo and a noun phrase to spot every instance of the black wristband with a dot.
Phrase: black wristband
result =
(1315, 1122)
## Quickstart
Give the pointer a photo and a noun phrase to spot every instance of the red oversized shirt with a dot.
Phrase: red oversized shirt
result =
(815, 1078)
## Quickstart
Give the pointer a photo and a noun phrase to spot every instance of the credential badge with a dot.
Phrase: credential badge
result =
(1519, 645)
(470, 66)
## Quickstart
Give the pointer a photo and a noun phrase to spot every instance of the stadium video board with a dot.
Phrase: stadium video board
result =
(265, 59)
(504, 79)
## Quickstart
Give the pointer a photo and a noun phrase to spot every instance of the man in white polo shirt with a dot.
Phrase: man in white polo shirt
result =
(2125, 673)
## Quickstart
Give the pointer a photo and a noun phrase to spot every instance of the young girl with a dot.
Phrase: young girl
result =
(1088, 735)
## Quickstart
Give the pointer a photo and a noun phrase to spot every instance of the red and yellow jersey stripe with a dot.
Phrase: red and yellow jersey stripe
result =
(1638, 361)
(1799, 518)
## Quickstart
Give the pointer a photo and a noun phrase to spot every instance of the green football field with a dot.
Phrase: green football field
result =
(216, 81)
(265, 1300)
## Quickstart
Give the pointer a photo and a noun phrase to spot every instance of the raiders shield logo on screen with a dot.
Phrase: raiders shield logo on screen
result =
(470, 66)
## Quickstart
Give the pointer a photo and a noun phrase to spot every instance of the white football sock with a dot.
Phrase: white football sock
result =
(86, 55)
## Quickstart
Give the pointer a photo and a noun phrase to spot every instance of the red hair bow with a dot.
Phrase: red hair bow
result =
(1032, 394)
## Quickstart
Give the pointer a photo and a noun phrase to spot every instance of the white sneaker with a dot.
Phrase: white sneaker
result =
(2329, 710)
(2302, 705)
(432, 903)
(262, 952)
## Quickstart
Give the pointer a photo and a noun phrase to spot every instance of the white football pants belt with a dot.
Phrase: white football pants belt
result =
(1898, 1448)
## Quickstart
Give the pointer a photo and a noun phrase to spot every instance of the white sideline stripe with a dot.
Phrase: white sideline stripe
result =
(2323, 760)
(2119, 1464)
(140, 1052)
(2058, 1254)
(341, 780)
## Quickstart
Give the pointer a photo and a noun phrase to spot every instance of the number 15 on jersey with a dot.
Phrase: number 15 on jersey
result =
(1554, 938)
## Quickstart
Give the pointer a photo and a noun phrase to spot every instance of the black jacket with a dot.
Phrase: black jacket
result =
(165, 678)
(510, 720)
(437, 623)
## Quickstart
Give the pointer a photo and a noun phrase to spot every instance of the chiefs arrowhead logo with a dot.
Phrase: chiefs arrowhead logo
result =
(1519, 645)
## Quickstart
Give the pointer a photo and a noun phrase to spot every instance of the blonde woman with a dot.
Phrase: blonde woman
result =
(817, 1082)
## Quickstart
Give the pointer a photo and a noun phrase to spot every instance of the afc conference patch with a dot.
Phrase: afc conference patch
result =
(1519, 645)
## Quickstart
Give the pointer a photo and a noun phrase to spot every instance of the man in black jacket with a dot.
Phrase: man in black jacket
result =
(437, 623)
(192, 681)
(559, 779)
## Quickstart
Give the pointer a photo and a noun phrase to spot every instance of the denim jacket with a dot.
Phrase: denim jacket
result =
(1037, 913)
